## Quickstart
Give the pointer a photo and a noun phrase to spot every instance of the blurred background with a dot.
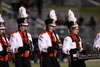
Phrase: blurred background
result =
(86, 11)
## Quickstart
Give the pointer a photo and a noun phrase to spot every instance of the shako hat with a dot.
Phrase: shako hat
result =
(22, 20)
(71, 19)
(52, 18)
(2, 24)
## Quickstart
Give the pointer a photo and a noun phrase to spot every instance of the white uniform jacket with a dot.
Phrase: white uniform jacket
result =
(68, 44)
(97, 41)
(1, 48)
(44, 41)
(16, 41)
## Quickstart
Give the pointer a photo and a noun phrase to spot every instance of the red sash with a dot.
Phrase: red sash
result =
(52, 38)
(76, 39)
(24, 40)
(5, 58)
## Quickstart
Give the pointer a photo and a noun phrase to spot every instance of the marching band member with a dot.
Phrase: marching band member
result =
(48, 42)
(21, 40)
(72, 43)
(96, 42)
(4, 45)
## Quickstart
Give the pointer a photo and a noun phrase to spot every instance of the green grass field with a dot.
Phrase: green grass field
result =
(88, 64)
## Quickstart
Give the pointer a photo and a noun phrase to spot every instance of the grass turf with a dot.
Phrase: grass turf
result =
(63, 64)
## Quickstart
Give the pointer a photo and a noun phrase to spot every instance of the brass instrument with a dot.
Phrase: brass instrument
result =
(89, 56)
(29, 43)
(8, 45)
(5, 39)
(57, 46)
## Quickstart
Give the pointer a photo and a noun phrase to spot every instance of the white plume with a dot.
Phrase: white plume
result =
(71, 16)
(1, 19)
(52, 15)
(22, 12)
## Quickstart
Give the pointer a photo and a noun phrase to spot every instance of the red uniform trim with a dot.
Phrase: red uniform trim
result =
(5, 58)
(26, 54)
(98, 32)
(54, 40)
(75, 38)
(43, 32)
(14, 32)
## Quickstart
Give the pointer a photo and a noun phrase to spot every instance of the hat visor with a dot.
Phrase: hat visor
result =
(2, 28)
(24, 24)
(75, 25)
(53, 24)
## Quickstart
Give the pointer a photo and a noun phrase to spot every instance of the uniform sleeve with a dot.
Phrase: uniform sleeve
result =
(81, 44)
(30, 38)
(13, 43)
(7, 39)
(66, 45)
(57, 36)
(42, 44)
(97, 41)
